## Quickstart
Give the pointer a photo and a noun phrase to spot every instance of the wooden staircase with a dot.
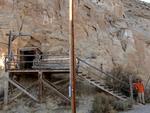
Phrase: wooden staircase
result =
(62, 63)
(102, 86)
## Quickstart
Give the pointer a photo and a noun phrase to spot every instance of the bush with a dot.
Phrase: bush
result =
(122, 75)
(147, 95)
(103, 104)
(107, 104)
(122, 105)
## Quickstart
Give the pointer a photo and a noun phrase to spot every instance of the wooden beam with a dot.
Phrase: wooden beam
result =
(66, 85)
(40, 85)
(19, 94)
(22, 89)
(53, 88)
(60, 81)
(37, 70)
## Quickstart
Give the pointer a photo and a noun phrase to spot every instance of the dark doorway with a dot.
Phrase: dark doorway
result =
(26, 59)
(27, 56)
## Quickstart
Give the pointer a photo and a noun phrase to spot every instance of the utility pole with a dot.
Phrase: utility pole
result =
(72, 55)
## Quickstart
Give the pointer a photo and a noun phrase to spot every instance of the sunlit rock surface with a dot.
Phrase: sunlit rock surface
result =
(108, 32)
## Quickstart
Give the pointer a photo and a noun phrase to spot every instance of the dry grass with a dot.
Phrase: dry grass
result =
(103, 104)
(107, 104)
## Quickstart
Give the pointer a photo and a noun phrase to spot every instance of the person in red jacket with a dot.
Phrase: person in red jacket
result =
(140, 89)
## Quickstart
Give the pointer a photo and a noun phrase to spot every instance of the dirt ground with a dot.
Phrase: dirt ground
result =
(139, 109)
(52, 103)
(25, 105)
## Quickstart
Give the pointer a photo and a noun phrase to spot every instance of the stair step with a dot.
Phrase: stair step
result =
(101, 84)
(83, 74)
(120, 94)
(97, 82)
(123, 96)
(110, 89)
(88, 77)
(116, 92)
(106, 87)
(92, 80)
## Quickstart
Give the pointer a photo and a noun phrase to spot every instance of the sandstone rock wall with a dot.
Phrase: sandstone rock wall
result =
(108, 32)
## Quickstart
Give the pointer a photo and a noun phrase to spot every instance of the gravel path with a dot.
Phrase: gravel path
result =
(139, 109)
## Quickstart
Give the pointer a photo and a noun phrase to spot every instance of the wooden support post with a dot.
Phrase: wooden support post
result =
(10, 85)
(131, 88)
(40, 85)
(6, 82)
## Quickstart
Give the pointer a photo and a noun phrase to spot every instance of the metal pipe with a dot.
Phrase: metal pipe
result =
(72, 55)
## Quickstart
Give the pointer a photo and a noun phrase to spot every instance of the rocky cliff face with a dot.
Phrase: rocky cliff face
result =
(108, 32)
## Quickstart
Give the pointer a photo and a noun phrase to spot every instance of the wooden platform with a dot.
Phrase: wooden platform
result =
(35, 71)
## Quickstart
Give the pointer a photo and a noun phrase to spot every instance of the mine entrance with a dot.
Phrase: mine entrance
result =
(27, 56)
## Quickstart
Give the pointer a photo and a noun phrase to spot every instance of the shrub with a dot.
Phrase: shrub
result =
(103, 104)
(122, 75)
(147, 95)
(107, 104)
(122, 105)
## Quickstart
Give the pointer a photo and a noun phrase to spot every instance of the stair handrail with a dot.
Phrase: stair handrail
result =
(107, 74)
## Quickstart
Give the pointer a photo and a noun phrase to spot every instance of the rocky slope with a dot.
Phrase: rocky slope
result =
(108, 32)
